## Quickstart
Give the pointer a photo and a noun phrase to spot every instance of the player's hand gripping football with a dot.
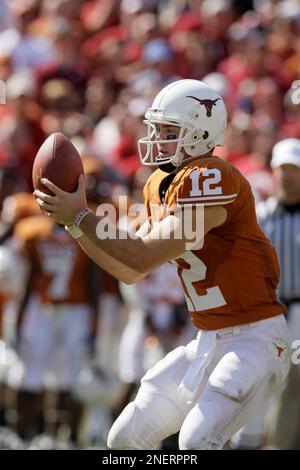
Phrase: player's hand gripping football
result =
(62, 206)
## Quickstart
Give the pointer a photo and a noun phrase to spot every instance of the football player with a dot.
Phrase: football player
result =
(14, 207)
(208, 389)
(55, 319)
(10, 289)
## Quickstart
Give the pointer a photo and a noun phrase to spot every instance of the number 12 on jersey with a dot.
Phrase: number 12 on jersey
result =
(212, 177)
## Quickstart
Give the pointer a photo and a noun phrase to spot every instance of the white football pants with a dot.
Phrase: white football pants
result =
(53, 338)
(208, 389)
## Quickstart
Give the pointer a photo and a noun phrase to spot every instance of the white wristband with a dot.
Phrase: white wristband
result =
(74, 231)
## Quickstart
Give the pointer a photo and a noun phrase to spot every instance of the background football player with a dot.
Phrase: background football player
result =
(54, 324)
(12, 279)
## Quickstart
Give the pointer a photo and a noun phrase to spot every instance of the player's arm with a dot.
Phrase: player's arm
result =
(113, 266)
(141, 254)
(110, 264)
(145, 252)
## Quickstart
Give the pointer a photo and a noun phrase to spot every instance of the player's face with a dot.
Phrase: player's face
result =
(167, 132)
(288, 178)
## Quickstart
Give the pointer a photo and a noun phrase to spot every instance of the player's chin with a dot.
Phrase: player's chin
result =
(163, 155)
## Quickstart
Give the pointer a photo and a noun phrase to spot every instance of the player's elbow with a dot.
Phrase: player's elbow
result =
(137, 270)
(139, 263)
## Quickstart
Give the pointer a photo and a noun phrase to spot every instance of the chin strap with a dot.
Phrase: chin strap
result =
(174, 165)
(168, 168)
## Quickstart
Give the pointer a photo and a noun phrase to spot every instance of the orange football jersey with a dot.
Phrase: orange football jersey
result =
(232, 279)
(60, 265)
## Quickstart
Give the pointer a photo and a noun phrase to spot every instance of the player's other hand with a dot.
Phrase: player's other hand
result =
(62, 206)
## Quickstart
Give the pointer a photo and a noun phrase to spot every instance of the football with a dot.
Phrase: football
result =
(57, 160)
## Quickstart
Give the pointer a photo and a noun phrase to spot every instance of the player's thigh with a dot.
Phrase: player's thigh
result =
(72, 332)
(157, 411)
(36, 333)
(73, 323)
(76, 325)
(247, 374)
(36, 344)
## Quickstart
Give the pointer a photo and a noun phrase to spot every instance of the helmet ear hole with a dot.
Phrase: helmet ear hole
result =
(196, 136)
(205, 135)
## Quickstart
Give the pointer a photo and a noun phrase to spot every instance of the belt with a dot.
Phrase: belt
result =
(236, 329)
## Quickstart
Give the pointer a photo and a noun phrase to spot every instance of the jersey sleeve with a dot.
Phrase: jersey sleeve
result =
(208, 185)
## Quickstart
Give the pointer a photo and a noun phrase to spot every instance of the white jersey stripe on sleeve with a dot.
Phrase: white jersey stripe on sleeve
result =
(206, 198)
(193, 203)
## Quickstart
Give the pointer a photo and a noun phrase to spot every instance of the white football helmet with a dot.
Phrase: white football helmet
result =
(200, 113)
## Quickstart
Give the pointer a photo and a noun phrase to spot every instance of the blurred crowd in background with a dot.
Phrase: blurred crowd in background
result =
(90, 69)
